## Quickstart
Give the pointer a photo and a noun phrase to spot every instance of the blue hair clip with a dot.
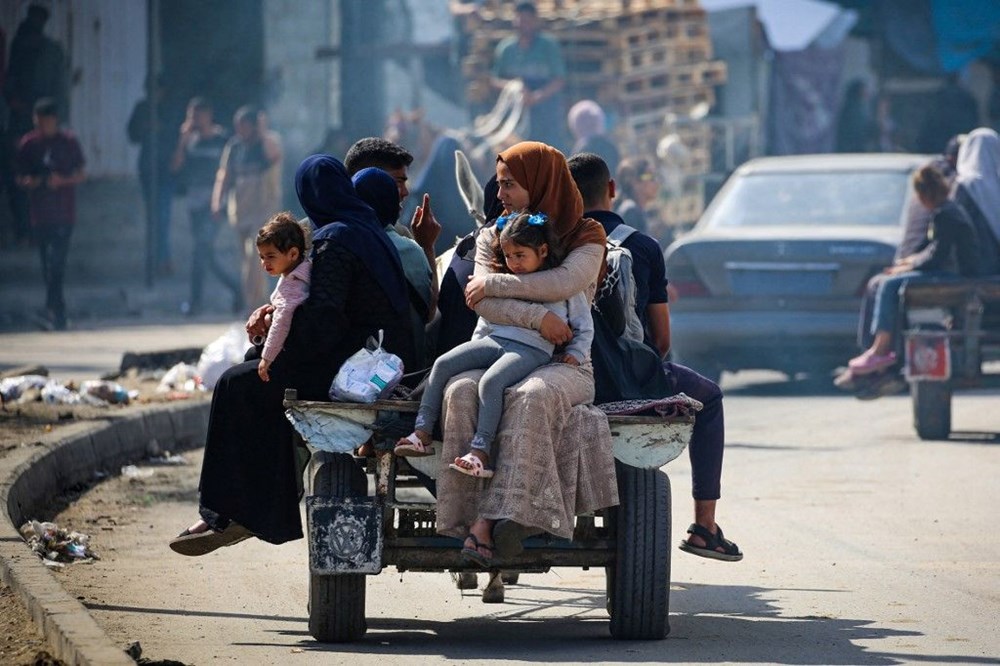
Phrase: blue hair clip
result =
(535, 220)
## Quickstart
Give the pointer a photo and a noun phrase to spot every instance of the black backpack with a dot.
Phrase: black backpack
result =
(624, 369)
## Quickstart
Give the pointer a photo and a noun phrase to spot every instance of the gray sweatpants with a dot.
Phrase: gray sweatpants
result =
(506, 361)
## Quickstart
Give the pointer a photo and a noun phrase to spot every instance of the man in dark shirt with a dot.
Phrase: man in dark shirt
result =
(195, 162)
(705, 537)
(593, 178)
(49, 166)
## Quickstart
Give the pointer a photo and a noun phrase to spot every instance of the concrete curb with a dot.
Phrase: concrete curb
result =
(70, 457)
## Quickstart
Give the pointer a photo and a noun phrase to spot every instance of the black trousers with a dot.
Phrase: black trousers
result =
(53, 247)
(709, 435)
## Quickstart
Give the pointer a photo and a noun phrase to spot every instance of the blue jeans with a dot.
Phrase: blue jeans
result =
(507, 362)
(887, 297)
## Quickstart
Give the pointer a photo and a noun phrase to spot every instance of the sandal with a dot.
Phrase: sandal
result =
(478, 469)
(201, 543)
(730, 551)
(474, 554)
(412, 447)
(866, 364)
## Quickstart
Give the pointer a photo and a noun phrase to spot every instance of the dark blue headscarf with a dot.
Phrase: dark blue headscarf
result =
(327, 196)
(379, 190)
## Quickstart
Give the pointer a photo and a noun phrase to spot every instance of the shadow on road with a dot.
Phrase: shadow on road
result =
(709, 624)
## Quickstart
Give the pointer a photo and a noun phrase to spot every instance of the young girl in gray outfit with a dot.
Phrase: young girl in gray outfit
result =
(508, 353)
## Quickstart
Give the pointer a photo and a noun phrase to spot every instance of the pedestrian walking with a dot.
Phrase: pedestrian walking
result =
(48, 166)
(156, 138)
(37, 68)
(248, 190)
(195, 163)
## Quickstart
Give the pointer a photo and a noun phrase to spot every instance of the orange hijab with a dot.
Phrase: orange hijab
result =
(542, 170)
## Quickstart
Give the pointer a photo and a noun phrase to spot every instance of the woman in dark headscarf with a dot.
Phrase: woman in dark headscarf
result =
(555, 457)
(249, 478)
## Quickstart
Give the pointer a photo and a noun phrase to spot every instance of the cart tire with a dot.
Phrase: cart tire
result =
(931, 409)
(639, 580)
(337, 602)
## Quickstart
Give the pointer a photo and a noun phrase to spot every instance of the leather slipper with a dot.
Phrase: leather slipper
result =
(202, 543)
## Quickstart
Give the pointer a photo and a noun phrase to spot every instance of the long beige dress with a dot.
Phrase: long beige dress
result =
(553, 456)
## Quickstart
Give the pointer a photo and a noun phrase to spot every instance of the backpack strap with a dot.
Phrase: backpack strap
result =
(620, 234)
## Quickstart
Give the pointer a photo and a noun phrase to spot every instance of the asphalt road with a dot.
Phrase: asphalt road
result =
(863, 545)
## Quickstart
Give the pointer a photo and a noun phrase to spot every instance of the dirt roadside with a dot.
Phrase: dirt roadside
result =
(24, 425)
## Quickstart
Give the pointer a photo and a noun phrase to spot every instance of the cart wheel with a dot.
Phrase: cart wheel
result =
(337, 602)
(511, 577)
(639, 579)
(931, 409)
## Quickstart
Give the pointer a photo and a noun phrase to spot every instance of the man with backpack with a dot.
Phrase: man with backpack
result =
(648, 273)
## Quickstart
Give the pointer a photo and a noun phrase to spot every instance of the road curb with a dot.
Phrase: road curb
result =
(71, 456)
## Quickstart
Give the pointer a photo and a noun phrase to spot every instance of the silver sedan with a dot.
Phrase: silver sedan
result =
(772, 275)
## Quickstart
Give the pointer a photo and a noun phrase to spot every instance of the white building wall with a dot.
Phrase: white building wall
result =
(303, 100)
(432, 24)
(105, 42)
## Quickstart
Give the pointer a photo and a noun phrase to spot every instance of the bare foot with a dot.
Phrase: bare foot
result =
(198, 527)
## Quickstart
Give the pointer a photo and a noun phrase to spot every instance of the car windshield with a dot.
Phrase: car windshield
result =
(865, 198)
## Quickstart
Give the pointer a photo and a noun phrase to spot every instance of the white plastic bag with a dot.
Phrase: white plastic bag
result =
(369, 374)
(222, 354)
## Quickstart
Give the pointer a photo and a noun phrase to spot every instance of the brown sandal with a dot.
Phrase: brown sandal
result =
(194, 544)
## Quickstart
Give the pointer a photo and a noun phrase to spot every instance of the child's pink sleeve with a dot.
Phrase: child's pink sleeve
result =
(289, 294)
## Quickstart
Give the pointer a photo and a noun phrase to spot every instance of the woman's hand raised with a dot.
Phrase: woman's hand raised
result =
(555, 330)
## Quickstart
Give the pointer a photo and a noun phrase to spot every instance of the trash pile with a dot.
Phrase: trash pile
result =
(183, 378)
(32, 388)
(55, 545)
(179, 382)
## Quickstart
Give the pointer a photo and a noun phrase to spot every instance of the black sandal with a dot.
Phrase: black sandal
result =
(474, 554)
(731, 552)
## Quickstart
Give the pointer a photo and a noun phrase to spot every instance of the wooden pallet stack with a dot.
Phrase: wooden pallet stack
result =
(639, 59)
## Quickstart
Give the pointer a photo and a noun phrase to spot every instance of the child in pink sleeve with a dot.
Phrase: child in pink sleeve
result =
(281, 244)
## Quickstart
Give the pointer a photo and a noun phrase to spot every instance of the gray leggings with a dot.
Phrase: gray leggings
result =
(507, 362)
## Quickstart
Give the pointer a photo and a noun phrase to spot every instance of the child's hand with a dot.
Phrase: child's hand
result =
(262, 370)
(569, 359)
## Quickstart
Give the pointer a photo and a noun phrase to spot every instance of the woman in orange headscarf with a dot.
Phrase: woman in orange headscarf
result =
(555, 457)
